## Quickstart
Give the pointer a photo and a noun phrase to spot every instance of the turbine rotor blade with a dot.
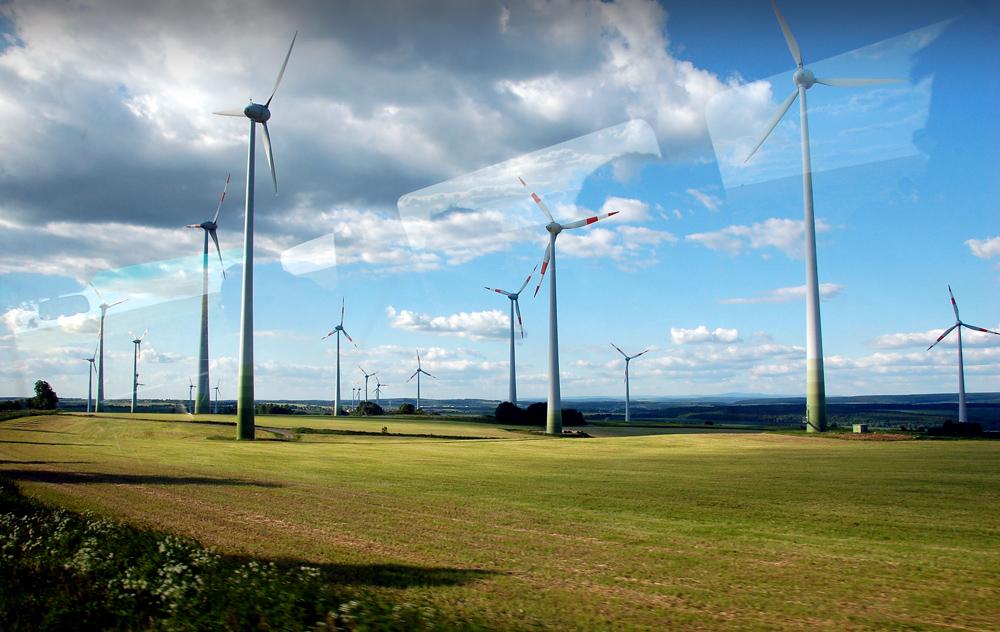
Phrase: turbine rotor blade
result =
(349, 337)
(974, 328)
(538, 200)
(281, 72)
(215, 238)
(589, 220)
(270, 158)
(525, 284)
(639, 354)
(144, 333)
(954, 305)
(330, 334)
(238, 112)
(492, 289)
(842, 82)
(428, 374)
(773, 122)
(118, 302)
(793, 46)
(941, 337)
(96, 292)
(520, 324)
(343, 303)
(619, 350)
(545, 264)
(216, 218)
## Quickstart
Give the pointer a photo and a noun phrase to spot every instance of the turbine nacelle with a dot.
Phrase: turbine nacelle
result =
(804, 78)
(257, 111)
(554, 228)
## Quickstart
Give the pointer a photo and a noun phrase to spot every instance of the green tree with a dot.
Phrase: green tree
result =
(368, 409)
(509, 414)
(406, 408)
(45, 398)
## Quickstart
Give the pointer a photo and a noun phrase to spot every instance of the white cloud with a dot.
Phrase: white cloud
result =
(710, 202)
(631, 210)
(788, 294)
(474, 326)
(927, 338)
(984, 249)
(787, 235)
(682, 336)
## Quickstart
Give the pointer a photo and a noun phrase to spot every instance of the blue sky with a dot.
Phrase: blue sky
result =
(110, 149)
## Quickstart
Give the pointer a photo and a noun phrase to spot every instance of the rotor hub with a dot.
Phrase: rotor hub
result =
(553, 228)
(257, 112)
(513, 296)
(804, 78)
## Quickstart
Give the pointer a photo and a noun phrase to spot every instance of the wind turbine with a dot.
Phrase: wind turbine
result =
(416, 374)
(257, 113)
(135, 365)
(337, 330)
(553, 418)
(100, 369)
(962, 416)
(204, 393)
(367, 375)
(378, 391)
(217, 397)
(805, 79)
(512, 390)
(190, 398)
(90, 378)
(628, 359)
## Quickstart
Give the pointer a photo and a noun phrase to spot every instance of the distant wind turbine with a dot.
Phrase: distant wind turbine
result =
(257, 113)
(416, 374)
(628, 359)
(553, 419)
(137, 341)
(962, 415)
(513, 296)
(378, 391)
(190, 397)
(804, 79)
(204, 393)
(90, 378)
(338, 330)
(217, 397)
(367, 375)
(98, 405)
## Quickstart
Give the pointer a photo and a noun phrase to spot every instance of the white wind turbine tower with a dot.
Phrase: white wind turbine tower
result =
(628, 359)
(367, 375)
(416, 374)
(513, 296)
(216, 389)
(962, 415)
(553, 418)
(135, 365)
(338, 330)
(378, 391)
(257, 113)
(201, 404)
(190, 397)
(100, 367)
(804, 79)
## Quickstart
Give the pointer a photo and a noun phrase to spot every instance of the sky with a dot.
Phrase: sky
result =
(399, 132)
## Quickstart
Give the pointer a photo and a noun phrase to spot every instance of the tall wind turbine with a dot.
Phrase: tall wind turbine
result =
(190, 397)
(628, 359)
(137, 341)
(204, 393)
(257, 113)
(100, 367)
(90, 378)
(512, 390)
(553, 418)
(378, 391)
(338, 330)
(216, 412)
(367, 375)
(805, 79)
(962, 416)
(416, 374)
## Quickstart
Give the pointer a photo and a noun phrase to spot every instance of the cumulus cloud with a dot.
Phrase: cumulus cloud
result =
(710, 202)
(984, 249)
(702, 334)
(474, 326)
(787, 235)
(788, 294)
(927, 338)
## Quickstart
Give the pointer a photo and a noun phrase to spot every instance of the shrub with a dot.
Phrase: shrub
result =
(509, 414)
(368, 409)
(45, 398)
(406, 409)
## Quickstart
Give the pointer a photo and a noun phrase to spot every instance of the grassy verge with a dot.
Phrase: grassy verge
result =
(61, 570)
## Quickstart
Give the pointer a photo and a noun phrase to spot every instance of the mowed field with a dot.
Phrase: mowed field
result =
(667, 532)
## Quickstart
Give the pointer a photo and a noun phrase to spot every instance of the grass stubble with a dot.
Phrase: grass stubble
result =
(727, 531)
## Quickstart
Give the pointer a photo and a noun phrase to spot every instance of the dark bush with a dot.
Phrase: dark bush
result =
(406, 409)
(368, 409)
(535, 415)
(272, 409)
(572, 417)
(509, 414)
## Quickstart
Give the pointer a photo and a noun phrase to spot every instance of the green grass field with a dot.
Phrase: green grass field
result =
(661, 532)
